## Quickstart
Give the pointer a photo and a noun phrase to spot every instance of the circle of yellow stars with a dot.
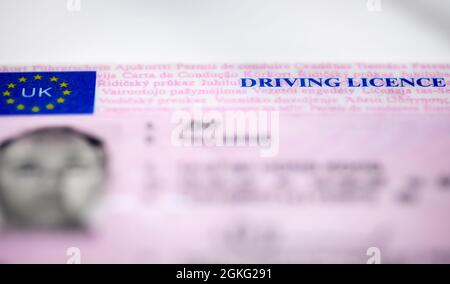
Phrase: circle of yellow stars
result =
(64, 91)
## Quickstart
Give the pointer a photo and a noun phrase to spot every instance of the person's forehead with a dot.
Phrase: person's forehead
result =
(49, 146)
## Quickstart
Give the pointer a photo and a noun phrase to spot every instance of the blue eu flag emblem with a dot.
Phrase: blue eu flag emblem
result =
(47, 93)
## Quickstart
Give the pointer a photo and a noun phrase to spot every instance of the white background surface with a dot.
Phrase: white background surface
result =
(138, 31)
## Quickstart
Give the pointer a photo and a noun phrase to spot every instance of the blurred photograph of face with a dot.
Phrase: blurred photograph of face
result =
(50, 177)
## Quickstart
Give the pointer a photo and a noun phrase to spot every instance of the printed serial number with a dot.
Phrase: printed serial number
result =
(245, 273)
